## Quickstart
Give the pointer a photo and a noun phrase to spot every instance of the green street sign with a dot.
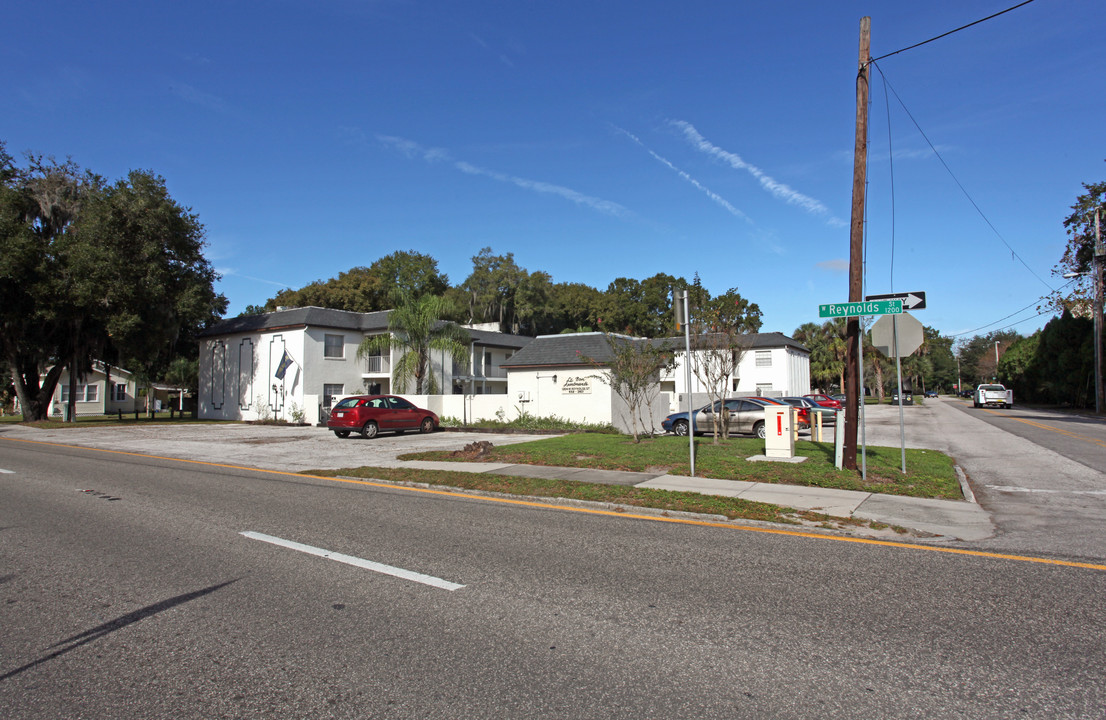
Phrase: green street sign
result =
(853, 309)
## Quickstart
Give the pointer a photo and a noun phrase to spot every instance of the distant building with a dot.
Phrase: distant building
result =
(106, 390)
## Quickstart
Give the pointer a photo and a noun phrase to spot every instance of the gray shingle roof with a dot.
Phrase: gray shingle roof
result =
(341, 320)
(301, 317)
(575, 348)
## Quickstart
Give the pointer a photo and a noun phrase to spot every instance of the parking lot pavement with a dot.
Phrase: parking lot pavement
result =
(270, 447)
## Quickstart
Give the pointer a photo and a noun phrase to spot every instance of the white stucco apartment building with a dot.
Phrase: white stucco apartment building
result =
(241, 376)
(558, 375)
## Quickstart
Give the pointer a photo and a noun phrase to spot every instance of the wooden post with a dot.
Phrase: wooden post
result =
(1096, 266)
(853, 357)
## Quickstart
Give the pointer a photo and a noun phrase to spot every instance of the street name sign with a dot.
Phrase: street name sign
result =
(854, 309)
(910, 300)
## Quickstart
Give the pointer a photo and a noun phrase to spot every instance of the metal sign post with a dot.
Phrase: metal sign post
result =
(683, 317)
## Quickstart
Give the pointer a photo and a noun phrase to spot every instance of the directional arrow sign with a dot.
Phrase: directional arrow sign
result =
(910, 300)
(852, 309)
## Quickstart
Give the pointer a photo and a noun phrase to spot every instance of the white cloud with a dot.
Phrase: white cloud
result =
(776, 188)
(414, 150)
(205, 100)
(835, 266)
(224, 272)
(718, 199)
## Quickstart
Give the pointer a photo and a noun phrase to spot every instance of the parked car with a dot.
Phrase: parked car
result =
(839, 397)
(907, 398)
(825, 401)
(746, 417)
(370, 414)
(931, 393)
(811, 409)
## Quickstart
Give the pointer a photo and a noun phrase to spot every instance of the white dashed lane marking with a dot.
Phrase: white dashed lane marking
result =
(356, 561)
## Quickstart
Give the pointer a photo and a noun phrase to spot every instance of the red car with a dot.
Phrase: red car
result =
(369, 414)
(802, 414)
(825, 401)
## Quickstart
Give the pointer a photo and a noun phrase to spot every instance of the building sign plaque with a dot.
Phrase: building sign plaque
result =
(576, 386)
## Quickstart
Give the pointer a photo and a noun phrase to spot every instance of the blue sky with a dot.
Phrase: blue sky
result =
(593, 140)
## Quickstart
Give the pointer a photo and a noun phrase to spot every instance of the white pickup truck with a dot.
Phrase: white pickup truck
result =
(993, 395)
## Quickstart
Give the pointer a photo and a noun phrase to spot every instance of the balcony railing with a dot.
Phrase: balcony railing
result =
(480, 372)
(376, 365)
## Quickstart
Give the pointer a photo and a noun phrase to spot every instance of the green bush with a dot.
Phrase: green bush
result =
(526, 421)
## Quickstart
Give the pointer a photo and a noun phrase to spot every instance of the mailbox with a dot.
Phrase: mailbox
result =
(779, 436)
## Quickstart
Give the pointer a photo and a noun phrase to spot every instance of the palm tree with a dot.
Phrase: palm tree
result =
(415, 328)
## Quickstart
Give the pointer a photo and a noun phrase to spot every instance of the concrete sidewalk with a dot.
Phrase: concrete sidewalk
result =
(950, 519)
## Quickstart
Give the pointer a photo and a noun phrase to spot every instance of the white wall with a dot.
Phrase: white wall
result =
(788, 374)
(237, 375)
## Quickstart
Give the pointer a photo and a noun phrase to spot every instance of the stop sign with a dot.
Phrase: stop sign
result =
(908, 330)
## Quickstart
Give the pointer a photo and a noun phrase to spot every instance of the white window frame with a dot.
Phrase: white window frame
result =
(327, 346)
(119, 392)
(85, 393)
(764, 358)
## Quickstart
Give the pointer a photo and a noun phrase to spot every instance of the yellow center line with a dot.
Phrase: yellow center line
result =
(1059, 431)
(591, 511)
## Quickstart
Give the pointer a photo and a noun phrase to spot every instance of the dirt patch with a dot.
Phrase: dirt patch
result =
(473, 451)
(269, 441)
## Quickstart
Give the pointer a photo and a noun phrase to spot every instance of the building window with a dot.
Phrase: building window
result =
(85, 393)
(334, 346)
(332, 393)
(119, 392)
(764, 358)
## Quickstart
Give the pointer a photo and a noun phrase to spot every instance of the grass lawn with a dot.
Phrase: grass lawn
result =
(929, 473)
(620, 496)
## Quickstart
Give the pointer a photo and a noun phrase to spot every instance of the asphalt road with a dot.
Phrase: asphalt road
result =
(1040, 474)
(129, 591)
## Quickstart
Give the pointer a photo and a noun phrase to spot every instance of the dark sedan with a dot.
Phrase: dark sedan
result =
(370, 414)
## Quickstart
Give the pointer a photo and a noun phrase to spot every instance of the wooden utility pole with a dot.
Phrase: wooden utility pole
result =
(1096, 265)
(854, 394)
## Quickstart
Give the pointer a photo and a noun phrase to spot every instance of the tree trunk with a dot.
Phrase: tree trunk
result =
(72, 404)
(34, 399)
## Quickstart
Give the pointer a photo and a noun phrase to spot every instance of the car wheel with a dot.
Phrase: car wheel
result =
(370, 430)
(680, 428)
(342, 433)
(427, 425)
(758, 430)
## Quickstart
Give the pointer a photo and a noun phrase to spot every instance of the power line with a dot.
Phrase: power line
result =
(950, 32)
(987, 220)
(996, 322)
